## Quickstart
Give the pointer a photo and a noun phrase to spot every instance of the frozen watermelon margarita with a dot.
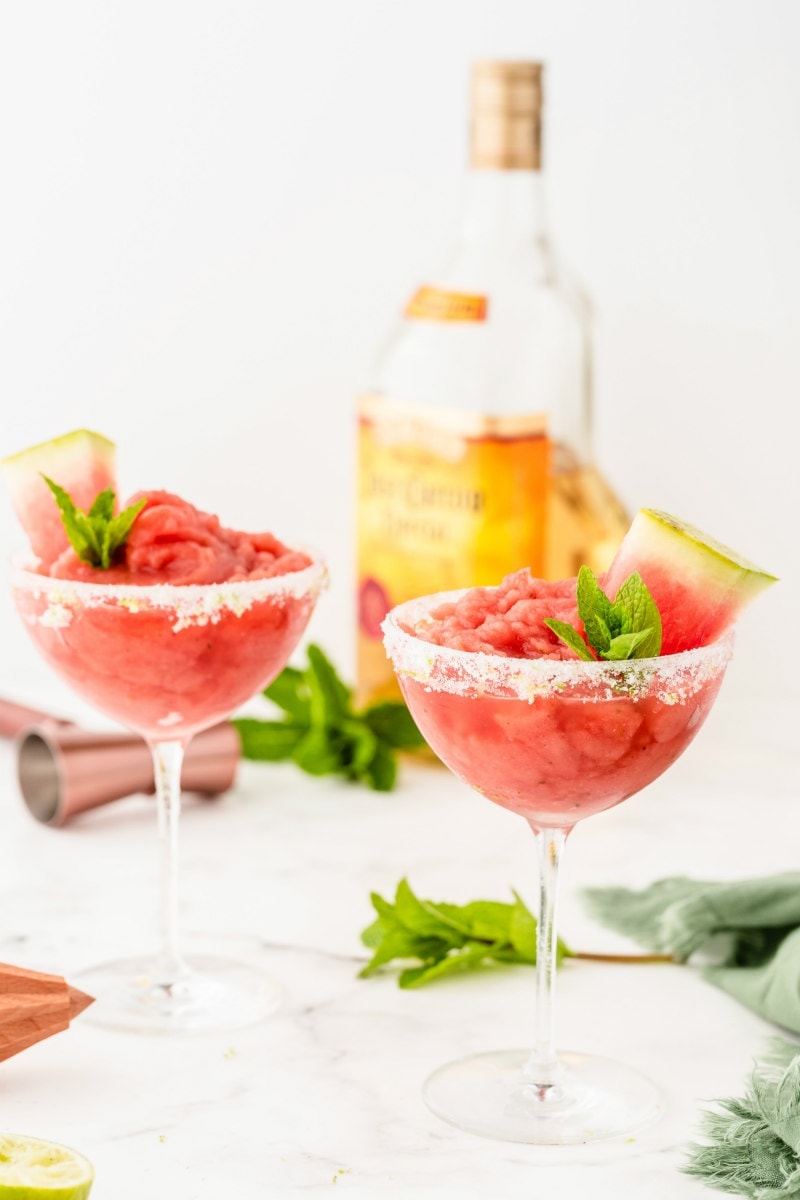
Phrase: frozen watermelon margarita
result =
(189, 622)
(551, 739)
(533, 694)
(166, 621)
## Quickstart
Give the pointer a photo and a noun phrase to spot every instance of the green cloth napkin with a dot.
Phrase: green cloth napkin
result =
(745, 935)
(751, 1144)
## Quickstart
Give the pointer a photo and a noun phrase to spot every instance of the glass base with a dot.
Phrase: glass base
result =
(591, 1100)
(213, 995)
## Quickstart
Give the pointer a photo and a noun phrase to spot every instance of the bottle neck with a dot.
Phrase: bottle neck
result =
(506, 207)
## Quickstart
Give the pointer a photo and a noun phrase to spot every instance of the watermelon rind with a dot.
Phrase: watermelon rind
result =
(47, 451)
(82, 462)
(699, 585)
(691, 548)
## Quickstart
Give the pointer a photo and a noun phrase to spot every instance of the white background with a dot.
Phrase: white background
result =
(211, 213)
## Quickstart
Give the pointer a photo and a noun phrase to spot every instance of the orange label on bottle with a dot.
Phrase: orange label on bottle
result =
(445, 500)
(435, 304)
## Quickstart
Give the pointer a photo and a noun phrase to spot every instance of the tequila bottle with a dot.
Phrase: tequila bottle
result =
(475, 451)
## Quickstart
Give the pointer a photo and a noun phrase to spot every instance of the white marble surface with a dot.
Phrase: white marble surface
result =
(326, 1094)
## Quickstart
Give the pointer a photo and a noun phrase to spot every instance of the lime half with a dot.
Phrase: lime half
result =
(33, 1169)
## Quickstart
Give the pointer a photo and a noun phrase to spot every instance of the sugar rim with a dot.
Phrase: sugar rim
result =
(445, 669)
(173, 595)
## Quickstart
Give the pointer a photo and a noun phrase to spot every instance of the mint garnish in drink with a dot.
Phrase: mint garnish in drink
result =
(95, 536)
(627, 627)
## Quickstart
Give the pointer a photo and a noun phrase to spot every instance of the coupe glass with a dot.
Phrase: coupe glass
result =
(554, 742)
(168, 661)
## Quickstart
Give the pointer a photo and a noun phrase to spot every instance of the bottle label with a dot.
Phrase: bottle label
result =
(435, 304)
(446, 499)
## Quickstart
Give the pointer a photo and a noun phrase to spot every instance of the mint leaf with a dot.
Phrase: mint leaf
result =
(602, 620)
(75, 522)
(103, 506)
(598, 633)
(449, 938)
(384, 908)
(570, 637)
(401, 943)
(330, 697)
(390, 938)
(627, 644)
(268, 741)
(489, 920)
(392, 723)
(422, 916)
(317, 752)
(97, 535)
(381, 774)
(373, 934)
(362, 745)
(290, 692)
(628, 627)
(523, 930)
(636, 602)
(118, 529)
(592, 600)
(324, 734)
(465, 958)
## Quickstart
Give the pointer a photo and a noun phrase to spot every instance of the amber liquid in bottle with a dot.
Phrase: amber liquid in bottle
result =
(475, 432)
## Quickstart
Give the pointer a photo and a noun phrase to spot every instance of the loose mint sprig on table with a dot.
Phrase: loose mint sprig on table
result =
(95, 536)
(323, 734)
(627, 627)
(447, 939)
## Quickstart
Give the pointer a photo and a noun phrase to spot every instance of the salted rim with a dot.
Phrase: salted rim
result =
(462, 672)
(172, 595)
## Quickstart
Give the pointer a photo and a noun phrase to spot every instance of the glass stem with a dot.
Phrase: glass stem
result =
(167, 762)
(542, 1067)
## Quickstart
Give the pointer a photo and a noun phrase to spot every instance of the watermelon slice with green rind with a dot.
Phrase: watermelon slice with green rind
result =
(699, 585)
(81, 462)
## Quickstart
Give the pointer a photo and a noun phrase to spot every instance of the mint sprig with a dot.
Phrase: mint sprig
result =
(446, 939)
(323, 734)
(95, 536)
(437, 939)
(627, 627)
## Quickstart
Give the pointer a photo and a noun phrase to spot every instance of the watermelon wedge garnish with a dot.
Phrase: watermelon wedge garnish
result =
(699, 585)
(82, 462)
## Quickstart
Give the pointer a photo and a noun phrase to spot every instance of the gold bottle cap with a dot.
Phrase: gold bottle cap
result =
(506, 132)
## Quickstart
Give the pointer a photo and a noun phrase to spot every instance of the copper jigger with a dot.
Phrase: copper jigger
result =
(64, 770)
